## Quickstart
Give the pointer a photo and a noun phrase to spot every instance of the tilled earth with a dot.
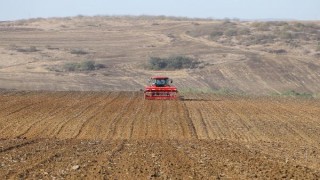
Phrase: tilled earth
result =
(119, 135)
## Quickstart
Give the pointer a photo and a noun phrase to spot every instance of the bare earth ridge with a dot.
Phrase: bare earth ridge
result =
(118, 135)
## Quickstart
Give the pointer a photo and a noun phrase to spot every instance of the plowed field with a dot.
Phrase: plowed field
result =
(118, 135)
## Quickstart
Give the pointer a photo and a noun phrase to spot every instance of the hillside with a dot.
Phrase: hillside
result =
(235, 56)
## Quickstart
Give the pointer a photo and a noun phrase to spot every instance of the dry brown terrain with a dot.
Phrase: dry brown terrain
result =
(246, 57)
(57, 122)
(118, 135)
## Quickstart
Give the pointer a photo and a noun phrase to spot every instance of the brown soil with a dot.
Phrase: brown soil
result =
(118, 135)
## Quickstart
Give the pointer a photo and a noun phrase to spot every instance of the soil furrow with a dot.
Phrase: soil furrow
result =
(205, 116)
(19, 145)
(79, 113)
(118, 135)
(53, 109)
(125, 109)
(99, 122)
(69, 128)
(190, 123)
(75, 103)
(203, 124)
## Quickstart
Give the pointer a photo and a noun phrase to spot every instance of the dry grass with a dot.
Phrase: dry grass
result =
(285, 53)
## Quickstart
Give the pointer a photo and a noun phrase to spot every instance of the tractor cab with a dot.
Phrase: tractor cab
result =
(160, 81)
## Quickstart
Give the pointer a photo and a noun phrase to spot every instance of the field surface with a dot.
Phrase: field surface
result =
(118, 135)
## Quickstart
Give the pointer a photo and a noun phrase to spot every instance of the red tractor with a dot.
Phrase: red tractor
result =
(160, 89)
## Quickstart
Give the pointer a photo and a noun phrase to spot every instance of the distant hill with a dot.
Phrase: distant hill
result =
(250, 57)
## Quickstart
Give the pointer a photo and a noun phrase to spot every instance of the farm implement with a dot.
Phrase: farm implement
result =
(160, 89)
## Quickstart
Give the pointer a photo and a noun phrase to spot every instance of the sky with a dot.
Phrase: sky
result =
(218, 9)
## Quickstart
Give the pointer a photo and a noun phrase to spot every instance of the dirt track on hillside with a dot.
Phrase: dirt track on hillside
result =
(120, 135)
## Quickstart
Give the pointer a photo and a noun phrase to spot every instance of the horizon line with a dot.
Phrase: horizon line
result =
(163, 16)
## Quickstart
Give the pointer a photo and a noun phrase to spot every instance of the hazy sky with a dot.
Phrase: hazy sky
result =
(243, 9)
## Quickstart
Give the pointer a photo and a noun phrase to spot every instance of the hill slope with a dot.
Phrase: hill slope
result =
(247, 57)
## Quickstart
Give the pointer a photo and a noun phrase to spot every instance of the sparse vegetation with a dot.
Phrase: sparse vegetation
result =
(172, 63)
(232, 33)
(87, 66)
(25, 49)
(225, 91)
(277, 51)
(82, 66)
(220, 91)
(71, 66)
(261, 26)
(293, 93)
(52, 48)
(244, 31)
(258, 39)
(286, 35)
(318, 47)
(78, 67)
(317, 95)
(216, 33)
(78, 51)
